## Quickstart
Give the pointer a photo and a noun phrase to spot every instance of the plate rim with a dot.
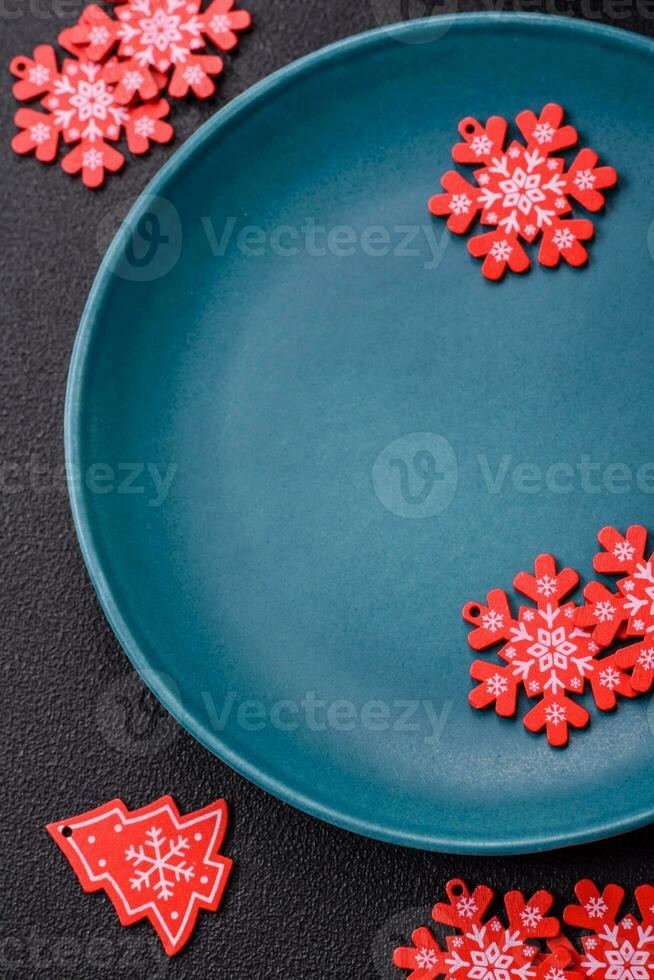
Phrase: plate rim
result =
(73, 416)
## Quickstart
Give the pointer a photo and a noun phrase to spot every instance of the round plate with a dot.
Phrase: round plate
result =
(302, 430)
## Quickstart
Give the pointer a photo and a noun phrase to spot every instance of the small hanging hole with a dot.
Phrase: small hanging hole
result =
(469, 128)
(474, 612)
(67, 831)
(457, 890)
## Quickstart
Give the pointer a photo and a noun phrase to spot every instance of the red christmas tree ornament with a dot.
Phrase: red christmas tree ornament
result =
(629, 612)
(614, 949)
(523, 191)
(160, 44)
(545, 652)
(152, 863)
(486, 947)
(81, 109)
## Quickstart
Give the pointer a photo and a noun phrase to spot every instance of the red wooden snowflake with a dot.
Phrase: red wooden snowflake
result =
(82, 109)
(629, 612)
(545, 652)
(522, 191)
(614, 950)
(152, 863)
(486, 948)
(158, 43)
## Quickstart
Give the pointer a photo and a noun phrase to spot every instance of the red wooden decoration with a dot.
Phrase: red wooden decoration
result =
(487, 947)
(152, 863)
(545, 652)
(522, 191)
(616, 949)
(81, 109)
(161, 44)
(629, 612)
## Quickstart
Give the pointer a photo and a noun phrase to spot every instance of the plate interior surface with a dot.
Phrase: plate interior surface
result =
(342, 432)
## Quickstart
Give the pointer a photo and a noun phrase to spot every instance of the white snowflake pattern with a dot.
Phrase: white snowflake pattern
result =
(38, 75)
(510, 653)
(144, 126)
(530, 917)
(492, 217)
(522, 190)
(497, 685)
(460, 204)
(162, 29)
(552, 165)
(514, 152)
(561, 202)
(555, 974)
(629, 585)
(426, 958)
(585, 180)
(554, 714)
(646, 660)
(627, 963)
(483, 179)
(624, 551)
(92, 159)
(160, 867)
(40, 133)
(596, 907)
(543, 133)
(530, 229)
(481, 145)
(528, 615)
(604, 611)
(492, 621)
(501, 251)
(466, 906)
(546, 585)
(534, 687)
(98, 34)
(491, 963)
(575, 682)
(193, 75)
(563, 238)
(83, 105)
(220, 24)
(551, 649)
(639, 625)
(132, 80)
(609, 678)
(92, 99)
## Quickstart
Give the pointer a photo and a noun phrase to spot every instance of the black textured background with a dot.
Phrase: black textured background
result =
(78, 727)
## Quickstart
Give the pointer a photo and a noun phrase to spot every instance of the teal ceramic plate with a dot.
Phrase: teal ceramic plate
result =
(302, 430)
